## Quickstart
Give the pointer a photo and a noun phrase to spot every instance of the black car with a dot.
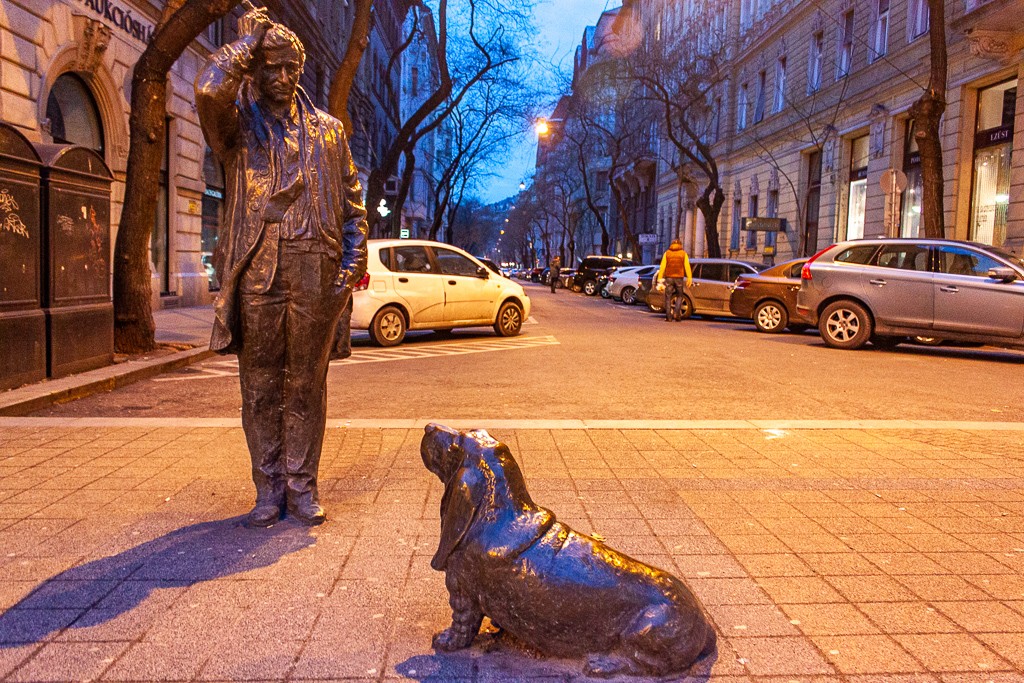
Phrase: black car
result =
(587, 278)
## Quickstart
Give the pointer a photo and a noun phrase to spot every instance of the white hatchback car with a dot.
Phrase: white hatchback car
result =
(425, 285)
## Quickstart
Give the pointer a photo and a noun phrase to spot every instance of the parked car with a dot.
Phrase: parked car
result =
(713, 280)
(623, 283)
(885, 290)
(769, 298)
(591, 267)
(419, 284)
(536, 274)
(566, 276)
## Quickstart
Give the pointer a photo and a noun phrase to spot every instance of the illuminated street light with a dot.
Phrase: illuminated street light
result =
(542, 127)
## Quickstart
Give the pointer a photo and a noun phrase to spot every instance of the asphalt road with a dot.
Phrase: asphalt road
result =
(587, 358)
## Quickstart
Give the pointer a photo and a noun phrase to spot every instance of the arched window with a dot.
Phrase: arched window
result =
(74, 116)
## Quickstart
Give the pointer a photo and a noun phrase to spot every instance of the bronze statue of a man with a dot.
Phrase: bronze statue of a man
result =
(293, 246)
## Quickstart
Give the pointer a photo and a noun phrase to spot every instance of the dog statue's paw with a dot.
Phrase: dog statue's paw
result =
(605, 666)
(450, 640)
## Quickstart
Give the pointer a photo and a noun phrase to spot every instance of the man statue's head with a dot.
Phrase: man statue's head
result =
(279, 65)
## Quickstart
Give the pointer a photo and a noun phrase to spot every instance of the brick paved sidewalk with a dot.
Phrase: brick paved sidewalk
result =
(821, 555)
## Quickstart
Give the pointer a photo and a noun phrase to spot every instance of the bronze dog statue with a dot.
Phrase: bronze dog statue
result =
(561, 592)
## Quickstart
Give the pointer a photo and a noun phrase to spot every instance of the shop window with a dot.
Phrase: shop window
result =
(213, 215)
(858, 188)
(737, 222)
(771, 211)
(73, 114)
(910, 219)
(160, 239)
(993, 146)
(752, 205)
(811, 221)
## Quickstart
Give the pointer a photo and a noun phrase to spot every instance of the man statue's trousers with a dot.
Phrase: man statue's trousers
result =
(287, 335)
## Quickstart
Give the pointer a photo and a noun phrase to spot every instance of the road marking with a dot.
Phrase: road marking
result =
(770, 428)
(445, 349)
(229, 367)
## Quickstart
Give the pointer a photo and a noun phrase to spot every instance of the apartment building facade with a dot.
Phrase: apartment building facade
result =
(813, 113)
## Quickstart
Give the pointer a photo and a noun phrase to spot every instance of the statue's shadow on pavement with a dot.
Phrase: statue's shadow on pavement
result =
(96, 592)
(502, 658)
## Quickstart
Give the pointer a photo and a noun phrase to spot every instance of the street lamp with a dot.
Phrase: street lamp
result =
(542, 127)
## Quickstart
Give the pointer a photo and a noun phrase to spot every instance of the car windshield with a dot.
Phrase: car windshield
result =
(1002, 253)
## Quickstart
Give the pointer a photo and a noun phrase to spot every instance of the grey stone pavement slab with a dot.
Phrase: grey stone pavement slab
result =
(850, 555)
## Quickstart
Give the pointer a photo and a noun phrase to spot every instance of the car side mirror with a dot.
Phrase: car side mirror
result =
(482, 272)
(1003, 274)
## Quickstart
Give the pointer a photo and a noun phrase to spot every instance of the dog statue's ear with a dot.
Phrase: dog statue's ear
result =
(458, 508)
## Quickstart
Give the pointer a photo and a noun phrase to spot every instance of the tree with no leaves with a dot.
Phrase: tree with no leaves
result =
(927, 113)
(182, 21)
(679, 75)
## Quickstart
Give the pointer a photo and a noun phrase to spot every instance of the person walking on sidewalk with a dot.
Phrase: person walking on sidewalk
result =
(556, 265)
(676, 274)
(292, 248)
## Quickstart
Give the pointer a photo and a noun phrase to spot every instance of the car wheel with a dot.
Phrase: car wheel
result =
(509, 321)
(590, 287)
(928, 341)
(845, 325)
(388, 327)
(605, 294)
(886, 343)
(770, 317)
(629, 295)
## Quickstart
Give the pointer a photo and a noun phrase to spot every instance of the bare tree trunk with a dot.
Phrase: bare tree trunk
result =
(710, 205)
(134, 330)
(927, 113)
(345, 76)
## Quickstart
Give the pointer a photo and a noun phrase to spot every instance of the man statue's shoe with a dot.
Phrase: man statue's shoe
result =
(264, 514)
(307, 512)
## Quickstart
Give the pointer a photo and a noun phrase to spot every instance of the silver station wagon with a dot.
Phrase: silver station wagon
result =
(885, 290)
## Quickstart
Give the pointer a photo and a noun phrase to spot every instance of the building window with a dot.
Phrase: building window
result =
(415, 81)
(993, 144)
(759, 103)
(737, 222)
(918, 14)
(858, 188)
(771, 211)
(73, 114)
(882, 28)
(845, 57)
(814, 62)
(780, 85)
(215, 32)
(813, 202)
(716, 120)
(752, 213)
(910, 218)
(741, 108)
(213, 214)
(160, 239)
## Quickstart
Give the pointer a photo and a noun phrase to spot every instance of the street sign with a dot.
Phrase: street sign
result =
(892, 182)
(761, 224)
(647, 238)
(403, 233)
